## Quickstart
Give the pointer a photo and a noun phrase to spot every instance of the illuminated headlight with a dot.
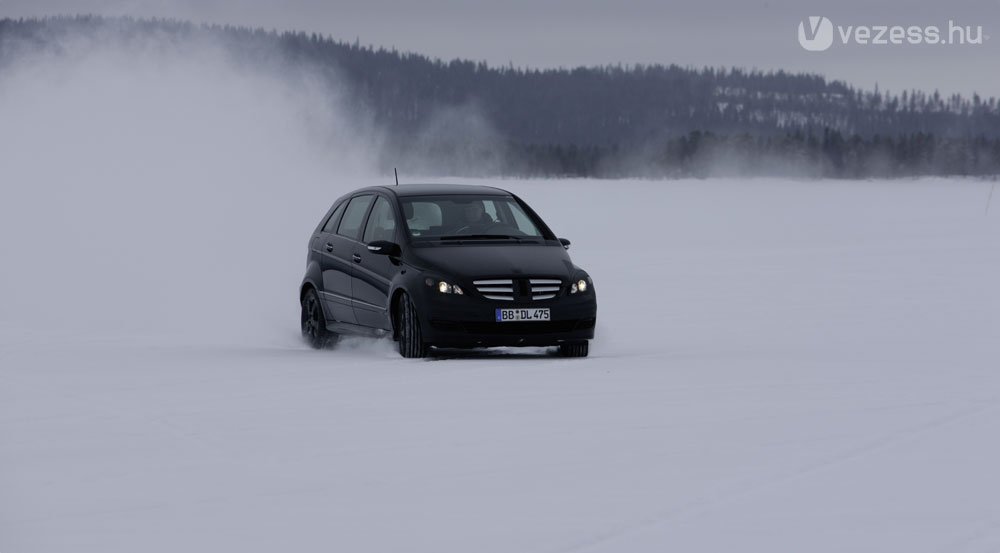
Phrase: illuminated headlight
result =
(447, 288)
(578, 286)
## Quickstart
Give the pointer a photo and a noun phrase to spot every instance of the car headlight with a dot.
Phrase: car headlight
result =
(444, 287)
(579, 286)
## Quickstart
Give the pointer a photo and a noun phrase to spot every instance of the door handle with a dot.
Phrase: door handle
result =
(329, 247)
(357, 258)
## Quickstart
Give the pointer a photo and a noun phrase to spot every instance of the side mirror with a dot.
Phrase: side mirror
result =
(564, 242)
(384, 247)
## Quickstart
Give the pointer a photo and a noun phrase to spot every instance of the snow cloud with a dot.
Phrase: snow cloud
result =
(163, 187)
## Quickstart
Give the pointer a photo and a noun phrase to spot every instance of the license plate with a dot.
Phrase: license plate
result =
(531, 314)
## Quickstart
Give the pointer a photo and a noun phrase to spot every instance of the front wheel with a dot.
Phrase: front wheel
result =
(411, 344)
(576, 349)
(314, 323)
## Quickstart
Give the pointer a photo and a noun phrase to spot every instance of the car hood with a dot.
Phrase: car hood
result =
(496, 260)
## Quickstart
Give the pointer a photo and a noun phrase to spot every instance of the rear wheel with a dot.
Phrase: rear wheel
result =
(314, 323)
(576, 349)
(411, 344)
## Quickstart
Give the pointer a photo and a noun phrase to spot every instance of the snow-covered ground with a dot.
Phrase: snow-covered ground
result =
(780, 366)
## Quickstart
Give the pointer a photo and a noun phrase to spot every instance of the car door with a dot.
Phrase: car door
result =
(373, 273)
(338, 247)
(322, 252)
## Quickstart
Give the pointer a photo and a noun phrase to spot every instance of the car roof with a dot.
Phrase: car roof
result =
(436, 189)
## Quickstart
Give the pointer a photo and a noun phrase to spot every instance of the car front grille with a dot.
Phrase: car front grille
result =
(506, 289)
(544, 288)
(496, 289)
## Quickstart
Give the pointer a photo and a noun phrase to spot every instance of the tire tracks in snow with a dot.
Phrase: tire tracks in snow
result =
(699, 508)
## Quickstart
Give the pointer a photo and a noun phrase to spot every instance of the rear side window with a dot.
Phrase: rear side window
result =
(354, 216)
(381, 223)
(331, 223)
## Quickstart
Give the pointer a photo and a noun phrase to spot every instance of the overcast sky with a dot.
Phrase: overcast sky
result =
(547, 33)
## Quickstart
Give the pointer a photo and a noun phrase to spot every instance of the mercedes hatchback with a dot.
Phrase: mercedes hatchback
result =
(448, 266)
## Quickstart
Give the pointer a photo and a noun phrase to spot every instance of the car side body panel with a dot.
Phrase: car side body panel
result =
(335, 260)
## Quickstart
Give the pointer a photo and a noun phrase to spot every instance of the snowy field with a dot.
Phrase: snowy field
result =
(780, 366)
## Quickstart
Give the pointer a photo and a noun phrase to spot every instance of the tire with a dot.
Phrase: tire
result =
(576, 349)
(411, 344)
(314, 323)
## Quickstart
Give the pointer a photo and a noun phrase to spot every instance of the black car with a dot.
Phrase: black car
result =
(447, 266)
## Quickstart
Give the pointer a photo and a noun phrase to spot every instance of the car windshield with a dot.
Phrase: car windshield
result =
(463, 218)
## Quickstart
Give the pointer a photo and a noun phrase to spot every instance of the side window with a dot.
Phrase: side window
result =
(491, 209)
(331, 223)
(354, 216)
(381, 223)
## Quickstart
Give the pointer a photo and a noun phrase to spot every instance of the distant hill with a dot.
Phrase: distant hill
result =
(594, 114)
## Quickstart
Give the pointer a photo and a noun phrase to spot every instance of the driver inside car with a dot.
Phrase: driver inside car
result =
(476, 218)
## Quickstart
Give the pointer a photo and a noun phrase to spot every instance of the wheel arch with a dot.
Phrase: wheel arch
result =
(312, 278)
(305, 287)
(397, 295)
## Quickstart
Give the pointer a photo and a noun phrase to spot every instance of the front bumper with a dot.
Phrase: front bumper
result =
(471, 322)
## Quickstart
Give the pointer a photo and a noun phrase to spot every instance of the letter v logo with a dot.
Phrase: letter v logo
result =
(816, 33)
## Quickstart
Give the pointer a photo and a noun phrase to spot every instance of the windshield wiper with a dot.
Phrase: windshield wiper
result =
(476, 237)
(461, 237)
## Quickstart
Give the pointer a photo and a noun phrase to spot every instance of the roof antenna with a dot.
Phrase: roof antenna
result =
(394, 172)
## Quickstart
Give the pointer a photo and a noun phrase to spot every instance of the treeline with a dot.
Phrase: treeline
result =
(705, 154)
(598, 121)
